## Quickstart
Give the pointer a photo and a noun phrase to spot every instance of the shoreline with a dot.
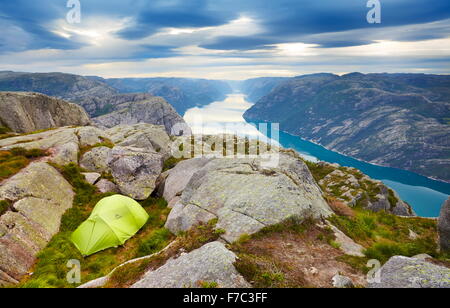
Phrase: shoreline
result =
(357, 159)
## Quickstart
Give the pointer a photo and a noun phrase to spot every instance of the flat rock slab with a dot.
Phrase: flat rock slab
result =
(145, 136)
(212, 263)
(403, 272)
(180, 176)
(246, 197)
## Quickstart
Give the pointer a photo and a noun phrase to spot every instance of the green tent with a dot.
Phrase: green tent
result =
(113, 221)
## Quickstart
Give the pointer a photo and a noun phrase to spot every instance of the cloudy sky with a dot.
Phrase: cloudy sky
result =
(224, 39)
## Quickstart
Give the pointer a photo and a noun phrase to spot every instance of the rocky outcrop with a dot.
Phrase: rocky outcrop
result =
(135, 170)
(92, 177)
(96, 160)
(105, 186)
(352, 187)
(27, 112)
(212, 263)
(403, 272)
(149, 109)
(245, 196)
(39, 196)
(444, 227)
(145, 136)
(62, 143)
(395, 120)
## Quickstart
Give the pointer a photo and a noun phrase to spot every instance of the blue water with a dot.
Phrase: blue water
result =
(425, 195)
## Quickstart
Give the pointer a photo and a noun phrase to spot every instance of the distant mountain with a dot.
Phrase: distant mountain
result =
(397, 120)
(92, 92)
(181, 93)
(74, 88)
(258, 87)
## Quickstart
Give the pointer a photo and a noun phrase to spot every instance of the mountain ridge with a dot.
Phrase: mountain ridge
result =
(385, 119)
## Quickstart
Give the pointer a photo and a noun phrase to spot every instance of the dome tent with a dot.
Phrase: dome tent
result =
(113, 221)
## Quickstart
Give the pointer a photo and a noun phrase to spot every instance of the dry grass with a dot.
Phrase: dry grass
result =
(292, 255)
(340, 208)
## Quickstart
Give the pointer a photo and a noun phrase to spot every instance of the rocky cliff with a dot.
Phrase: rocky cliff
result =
(257, 88)
(398, 120)
(73, 88)
(27, 112)
(143, 108)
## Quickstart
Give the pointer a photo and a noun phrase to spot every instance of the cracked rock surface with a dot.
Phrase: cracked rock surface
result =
(39, 196)
(210, 263)
(245, 196)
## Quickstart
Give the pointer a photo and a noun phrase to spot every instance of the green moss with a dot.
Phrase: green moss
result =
(358, 263)
(219, 231)
(126, 273)
(157, 241)
(14, 160)
(393, 200)
(4, 130)
(4, 206)
(385, 235)
(383, 251)
(319, 171)
(209, 285)
(39, 131)
(171, 163)
(105, 142)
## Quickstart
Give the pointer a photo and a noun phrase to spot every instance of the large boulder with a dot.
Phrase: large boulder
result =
(246, 196)
(444, 227)
(179, 177)
(145, 108)
(39, 196)
(145, 136)
(403, 272)
(384, 202)
(96, 160)
(135, 170)
(25, 112)
(212, 263)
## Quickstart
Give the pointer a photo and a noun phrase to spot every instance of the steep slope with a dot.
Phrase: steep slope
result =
(142, 108)
(70, 87)
(398, 120)
(181, 93)
(257, 88)
(25, 112)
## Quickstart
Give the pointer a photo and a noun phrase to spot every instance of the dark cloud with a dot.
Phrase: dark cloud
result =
(282, 21)
(177, 14)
